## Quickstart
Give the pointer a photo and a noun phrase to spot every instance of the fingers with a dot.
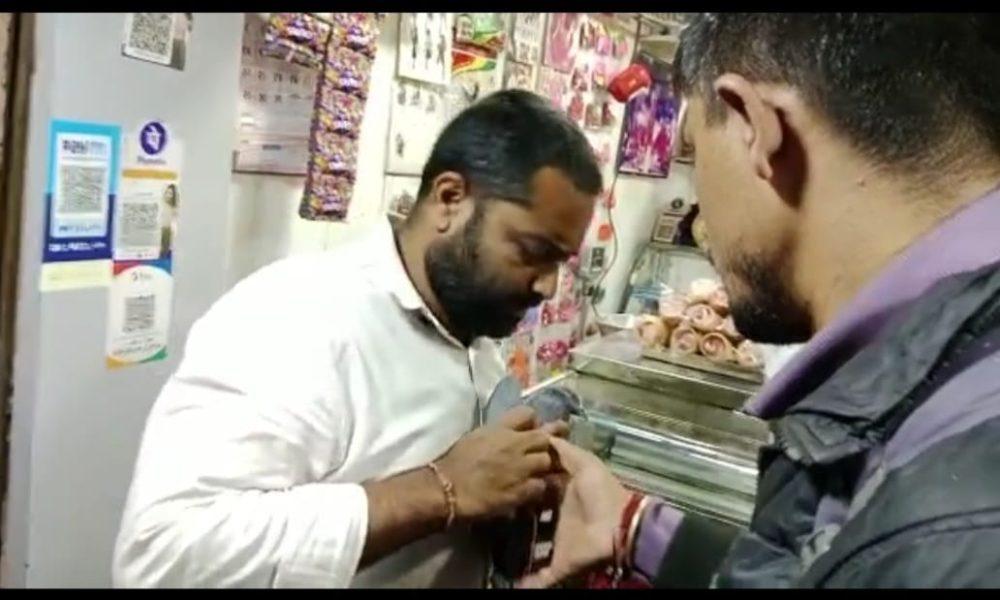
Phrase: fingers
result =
(558, 429)
(543, 578)
(521, 418)
(538, 463)
(536, 440)
(571, 458)
(531, 491)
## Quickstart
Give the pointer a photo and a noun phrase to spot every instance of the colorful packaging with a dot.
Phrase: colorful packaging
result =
(340, 112)
(339, 108)
(334, 153)
(328, 195)
(297, 37)
(348, 71)
(357, 31)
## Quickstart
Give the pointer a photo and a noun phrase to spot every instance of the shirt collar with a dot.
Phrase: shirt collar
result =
(391, 275)
(964, 242)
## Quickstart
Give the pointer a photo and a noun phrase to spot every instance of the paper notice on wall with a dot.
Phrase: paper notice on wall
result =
(80, 192)
(139, 307)
(160, 38)
(141, 290)
(146, 211)
(275, 108)
(74, 275)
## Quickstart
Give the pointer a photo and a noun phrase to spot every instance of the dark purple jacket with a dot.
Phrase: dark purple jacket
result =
(887, 474)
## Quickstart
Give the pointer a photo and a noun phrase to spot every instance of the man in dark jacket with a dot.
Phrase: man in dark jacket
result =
(848, 169)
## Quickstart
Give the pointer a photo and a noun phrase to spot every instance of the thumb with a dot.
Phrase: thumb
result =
(572, 458)
(542, 578)
(521, 418)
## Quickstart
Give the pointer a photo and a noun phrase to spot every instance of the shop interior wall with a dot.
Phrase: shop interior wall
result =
(264, 208)
(264, 221)
(638, 202)
(76, 425)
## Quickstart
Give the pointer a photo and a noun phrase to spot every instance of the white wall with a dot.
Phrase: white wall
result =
(265, 226)
(639, 201)
(264, 221)
(76, 425)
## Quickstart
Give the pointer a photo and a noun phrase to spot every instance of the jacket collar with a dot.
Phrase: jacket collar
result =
(851, 411)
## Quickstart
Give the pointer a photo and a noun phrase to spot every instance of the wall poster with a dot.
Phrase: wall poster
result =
(409, 146)
(649, 117)
(80, 194)
(579, 66)
(425, 47)
(146, 209)
(529, 34)
(139, 306)
(140, 298)
(160, 38)
(477, 55)
(561, 40)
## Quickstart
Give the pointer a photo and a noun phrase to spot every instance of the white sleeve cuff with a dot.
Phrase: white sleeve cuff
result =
(329, 530)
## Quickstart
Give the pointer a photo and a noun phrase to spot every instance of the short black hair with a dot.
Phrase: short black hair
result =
(908, 90)
(502, 140)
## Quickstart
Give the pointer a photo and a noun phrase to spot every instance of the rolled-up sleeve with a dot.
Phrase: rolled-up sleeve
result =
(656, 530)
(232, 485)
(675, 549)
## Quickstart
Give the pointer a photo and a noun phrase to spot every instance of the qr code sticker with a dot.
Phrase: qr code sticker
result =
(139, 313)
(81, 189)
(151, 36)
(140, 224)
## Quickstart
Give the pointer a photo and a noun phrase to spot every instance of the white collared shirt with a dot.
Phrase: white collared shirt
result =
(310, 377)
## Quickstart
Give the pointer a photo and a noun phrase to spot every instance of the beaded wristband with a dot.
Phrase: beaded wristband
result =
(449, 493)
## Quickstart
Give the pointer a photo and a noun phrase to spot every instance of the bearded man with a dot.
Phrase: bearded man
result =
(325, 427)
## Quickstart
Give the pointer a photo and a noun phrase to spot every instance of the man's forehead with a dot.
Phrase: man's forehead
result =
(558, 210)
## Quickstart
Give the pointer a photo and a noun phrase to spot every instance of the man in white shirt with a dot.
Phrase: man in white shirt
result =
(323, 428)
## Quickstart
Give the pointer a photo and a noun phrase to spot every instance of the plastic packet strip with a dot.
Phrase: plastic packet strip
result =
(334, 153)
(339, 112)
(348, 71)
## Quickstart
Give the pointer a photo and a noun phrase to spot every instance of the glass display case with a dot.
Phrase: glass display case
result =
(662, 265)
(666, 424)
(667, 429)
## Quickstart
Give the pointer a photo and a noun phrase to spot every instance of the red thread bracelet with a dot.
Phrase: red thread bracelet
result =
(622, 534)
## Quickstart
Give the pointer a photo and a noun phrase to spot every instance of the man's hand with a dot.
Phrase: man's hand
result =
(588, 517)
(496, 469)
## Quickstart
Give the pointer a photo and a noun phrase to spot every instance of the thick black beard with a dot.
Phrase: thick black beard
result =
(474, 304)
(770, 313)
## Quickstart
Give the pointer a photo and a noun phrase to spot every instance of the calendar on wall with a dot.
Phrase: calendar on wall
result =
(275, 108)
